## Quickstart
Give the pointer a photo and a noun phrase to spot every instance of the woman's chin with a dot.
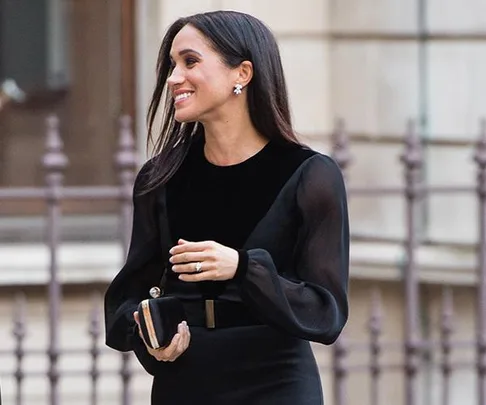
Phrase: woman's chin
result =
(184, 118)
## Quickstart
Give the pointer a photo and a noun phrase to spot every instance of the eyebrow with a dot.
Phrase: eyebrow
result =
(185, 51)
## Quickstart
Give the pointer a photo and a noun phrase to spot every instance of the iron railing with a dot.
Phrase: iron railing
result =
(413, 346)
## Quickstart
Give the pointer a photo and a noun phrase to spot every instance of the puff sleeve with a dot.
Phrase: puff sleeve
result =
(142, 269)
(310, 300)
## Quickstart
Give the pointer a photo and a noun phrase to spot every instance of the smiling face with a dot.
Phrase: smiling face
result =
(200, 83)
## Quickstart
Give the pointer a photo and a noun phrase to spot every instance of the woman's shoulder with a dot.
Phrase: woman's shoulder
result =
(321, 162)
(288, 157)
(307, 159)
(321, 176)
(144, 174)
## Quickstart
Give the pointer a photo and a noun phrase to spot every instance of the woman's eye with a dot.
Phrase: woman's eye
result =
(190, 61)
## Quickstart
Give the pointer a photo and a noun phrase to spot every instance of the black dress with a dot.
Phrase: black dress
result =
(284, 210)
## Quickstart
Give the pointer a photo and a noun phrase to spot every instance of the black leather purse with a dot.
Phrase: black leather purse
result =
(160, 316)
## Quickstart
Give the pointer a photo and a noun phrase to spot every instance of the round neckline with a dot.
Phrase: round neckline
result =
(235, 166)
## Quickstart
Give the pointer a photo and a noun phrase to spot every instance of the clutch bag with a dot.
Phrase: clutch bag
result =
(159, 319)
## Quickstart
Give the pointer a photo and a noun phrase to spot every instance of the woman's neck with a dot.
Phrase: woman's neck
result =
(231, 142)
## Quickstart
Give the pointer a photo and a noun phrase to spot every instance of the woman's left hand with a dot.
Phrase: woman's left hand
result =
(203, 261)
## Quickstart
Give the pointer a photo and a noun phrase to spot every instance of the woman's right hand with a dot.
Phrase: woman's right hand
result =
(178, 345)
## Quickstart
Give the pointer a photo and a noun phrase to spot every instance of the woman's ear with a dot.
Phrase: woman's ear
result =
(245, 73)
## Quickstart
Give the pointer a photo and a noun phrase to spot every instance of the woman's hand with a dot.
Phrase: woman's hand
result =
(203, 261)
(178, 345)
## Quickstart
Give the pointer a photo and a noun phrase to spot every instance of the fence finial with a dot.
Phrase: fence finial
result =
(340, 145)
(126, 157)
(54, 160)
(412, 157)
(480, 159)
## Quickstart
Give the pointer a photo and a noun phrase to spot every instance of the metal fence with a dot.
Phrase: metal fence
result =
(412, 346)
(55, 162)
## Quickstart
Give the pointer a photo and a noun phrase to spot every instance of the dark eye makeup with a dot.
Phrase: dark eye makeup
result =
(189, 61)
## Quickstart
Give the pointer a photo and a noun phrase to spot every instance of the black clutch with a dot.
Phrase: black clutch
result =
(159, 319)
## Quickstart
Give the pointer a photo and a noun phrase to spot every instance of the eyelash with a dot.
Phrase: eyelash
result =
(189, 63)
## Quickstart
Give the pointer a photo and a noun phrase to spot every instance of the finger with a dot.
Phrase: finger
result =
(187, 336)
(196, 277)
(188, 257)
(191, 267)
(169, 351)
(190, 247)
(181, 346)
(184, 334)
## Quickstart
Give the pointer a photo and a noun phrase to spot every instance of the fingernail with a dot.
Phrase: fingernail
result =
(184, 323)
(171, 251)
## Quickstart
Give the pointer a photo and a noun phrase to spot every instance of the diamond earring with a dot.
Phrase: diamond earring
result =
(237, 89)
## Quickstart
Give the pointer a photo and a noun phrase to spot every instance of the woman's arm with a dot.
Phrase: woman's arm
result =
(314, 306)
(142, 270)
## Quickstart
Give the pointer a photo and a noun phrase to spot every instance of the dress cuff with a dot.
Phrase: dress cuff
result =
(242, 266)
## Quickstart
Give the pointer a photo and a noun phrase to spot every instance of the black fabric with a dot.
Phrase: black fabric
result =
(242, 265)
(285, 211)
(254, 365)
(227, 314)
(142, 270)
(208, 202)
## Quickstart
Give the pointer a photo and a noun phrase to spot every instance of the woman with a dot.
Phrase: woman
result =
(249, 227)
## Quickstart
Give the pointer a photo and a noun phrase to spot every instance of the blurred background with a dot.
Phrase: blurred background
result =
(394, 90)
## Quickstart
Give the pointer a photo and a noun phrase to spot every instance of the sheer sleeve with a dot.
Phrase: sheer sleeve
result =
(312, 303)
(142, 270)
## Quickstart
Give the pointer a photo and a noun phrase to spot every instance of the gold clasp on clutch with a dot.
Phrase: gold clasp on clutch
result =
(210, 319)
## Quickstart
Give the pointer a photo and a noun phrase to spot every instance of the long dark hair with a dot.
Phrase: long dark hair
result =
(237, 37)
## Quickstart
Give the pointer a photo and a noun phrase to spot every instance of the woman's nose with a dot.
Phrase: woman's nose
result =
(175, 78)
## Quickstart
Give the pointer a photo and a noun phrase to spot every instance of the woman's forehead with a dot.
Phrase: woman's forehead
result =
(189, 38)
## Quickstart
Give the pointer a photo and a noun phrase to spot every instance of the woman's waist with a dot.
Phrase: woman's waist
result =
(213, 305)
(218, 313)
(221, 290)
